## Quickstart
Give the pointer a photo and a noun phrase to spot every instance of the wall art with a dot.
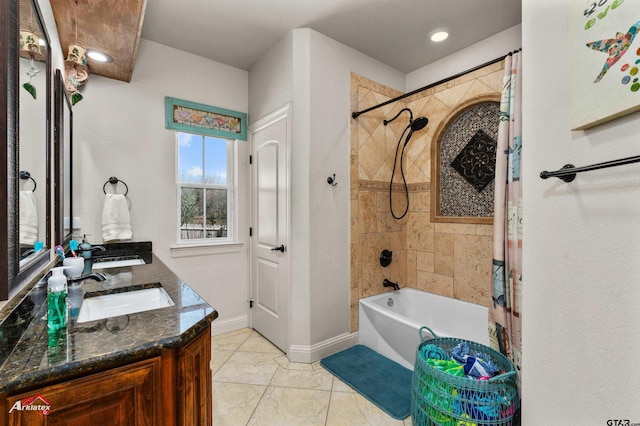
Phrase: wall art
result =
(604, 60)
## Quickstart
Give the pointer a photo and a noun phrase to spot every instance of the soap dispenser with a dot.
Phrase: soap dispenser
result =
(57, 299)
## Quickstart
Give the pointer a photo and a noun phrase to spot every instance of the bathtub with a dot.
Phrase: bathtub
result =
(389, 322)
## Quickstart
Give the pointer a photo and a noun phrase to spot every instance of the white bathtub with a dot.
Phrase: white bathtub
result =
(389, 322)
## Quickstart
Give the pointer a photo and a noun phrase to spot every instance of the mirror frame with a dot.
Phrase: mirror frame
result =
(62, 111)
(13, 277)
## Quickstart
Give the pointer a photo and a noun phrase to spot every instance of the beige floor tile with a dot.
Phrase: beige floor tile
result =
(234, 403)
(256, 343)
(218, 358)
(284, 362)
(351, 409)
(247, 367)
(287, 406)
(340, 386)
(288, 378)
(230, 341)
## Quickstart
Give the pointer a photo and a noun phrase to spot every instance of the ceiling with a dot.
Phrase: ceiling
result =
(239, 32)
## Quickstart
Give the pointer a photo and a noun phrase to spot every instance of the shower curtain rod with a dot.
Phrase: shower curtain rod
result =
(355, 114)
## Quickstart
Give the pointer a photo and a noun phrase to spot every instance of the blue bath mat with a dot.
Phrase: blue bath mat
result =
(384, 382)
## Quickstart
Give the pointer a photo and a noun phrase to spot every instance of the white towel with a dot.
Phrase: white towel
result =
(28, 218)
(116, 221)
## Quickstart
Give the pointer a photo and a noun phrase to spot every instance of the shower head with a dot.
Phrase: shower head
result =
(419, 123)
(415, 125)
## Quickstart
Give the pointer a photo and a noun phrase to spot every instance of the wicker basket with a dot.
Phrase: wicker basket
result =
(439, 398)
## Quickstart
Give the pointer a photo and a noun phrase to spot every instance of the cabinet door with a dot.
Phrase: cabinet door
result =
(126, 395)
(194, 375)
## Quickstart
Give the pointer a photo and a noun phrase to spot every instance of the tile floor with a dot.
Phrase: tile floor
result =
(255, 384)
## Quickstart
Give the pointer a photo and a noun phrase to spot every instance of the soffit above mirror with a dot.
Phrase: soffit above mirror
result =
(109, 26)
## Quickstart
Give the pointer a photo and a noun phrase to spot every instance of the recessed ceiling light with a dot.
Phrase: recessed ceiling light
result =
(96, 55)
(441, 34)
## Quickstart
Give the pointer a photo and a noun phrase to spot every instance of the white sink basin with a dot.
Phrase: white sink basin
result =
(117, 263)
(113, 305)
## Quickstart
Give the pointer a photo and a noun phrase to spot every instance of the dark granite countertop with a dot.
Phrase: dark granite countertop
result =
(30, 355)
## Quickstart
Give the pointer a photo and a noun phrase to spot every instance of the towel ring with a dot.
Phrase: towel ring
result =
(113, 181)
(24, 175)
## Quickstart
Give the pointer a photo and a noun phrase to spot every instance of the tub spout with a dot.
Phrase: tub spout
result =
(388, 283)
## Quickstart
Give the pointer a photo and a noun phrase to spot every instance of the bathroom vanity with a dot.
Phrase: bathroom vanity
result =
(151, 366)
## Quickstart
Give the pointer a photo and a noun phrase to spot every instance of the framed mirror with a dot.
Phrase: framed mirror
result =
(63, 139)
(34, 124)
(25, 57)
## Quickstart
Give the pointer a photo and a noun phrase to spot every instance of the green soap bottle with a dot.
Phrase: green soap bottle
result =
(57, 299)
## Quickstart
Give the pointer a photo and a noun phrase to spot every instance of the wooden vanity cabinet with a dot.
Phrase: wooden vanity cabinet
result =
(123, 396)
(171, 389)
(194, 388)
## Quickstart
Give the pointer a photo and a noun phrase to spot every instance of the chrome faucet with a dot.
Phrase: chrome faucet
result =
(388, 283)
(97, 276)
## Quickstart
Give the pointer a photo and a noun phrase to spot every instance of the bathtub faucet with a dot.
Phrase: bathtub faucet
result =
(388, 283)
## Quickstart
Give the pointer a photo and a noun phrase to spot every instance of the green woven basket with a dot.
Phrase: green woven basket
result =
(439, 398)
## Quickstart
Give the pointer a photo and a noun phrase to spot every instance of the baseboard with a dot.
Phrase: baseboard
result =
(310, 354)
(229, 324)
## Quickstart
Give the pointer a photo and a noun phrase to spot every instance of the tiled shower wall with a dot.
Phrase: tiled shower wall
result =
(450, 259)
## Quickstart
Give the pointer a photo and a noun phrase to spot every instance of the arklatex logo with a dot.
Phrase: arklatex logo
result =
(34, 403)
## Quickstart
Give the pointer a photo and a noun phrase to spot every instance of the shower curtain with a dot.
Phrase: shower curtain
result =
(505, 311)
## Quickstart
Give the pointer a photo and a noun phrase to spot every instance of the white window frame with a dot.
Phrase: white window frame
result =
(203, 246)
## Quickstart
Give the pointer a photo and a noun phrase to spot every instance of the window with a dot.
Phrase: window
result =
(205, 188)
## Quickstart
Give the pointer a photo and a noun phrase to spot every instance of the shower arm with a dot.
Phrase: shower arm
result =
(385, 122)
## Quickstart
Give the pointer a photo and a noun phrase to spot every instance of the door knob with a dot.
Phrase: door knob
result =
(281, 248)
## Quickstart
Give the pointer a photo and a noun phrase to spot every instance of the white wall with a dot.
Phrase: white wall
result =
(331, 64)
(271, 80)
(119, 131)
(580, 246)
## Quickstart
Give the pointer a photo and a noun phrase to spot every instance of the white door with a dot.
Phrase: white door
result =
(269, 219)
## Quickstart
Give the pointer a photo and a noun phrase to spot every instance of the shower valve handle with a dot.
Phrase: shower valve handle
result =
(281, 248)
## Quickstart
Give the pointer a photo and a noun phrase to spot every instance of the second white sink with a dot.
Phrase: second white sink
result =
(129, 302)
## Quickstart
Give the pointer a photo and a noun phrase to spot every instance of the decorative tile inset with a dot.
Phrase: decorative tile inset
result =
(477, 160)
(457, 197)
